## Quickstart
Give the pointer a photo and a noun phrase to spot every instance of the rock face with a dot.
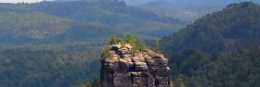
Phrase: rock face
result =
(124, 68)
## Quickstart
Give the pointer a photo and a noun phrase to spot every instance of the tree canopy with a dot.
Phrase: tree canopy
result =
(219, 49)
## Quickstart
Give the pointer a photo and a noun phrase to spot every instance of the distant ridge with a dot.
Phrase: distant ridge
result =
(188, 10)
(83, 19)
(236, 26)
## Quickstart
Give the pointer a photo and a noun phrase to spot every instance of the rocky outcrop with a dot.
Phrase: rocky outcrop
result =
(123, 68)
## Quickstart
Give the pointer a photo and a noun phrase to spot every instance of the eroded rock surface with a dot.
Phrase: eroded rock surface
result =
(123, 68)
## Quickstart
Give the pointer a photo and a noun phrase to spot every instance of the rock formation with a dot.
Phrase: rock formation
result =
(121, 67)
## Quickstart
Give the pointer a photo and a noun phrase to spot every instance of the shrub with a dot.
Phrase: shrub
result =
(106, 52)
(115, 40)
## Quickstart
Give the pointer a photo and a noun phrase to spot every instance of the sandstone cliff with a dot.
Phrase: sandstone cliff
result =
(121, 67)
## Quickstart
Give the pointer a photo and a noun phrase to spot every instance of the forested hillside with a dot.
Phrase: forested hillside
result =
(58, 44)
(219, 49)
(237, 26)
(51, 22)
(188, 10)
(26, 68)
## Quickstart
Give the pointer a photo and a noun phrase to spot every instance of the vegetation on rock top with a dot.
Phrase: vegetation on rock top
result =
(130, 39)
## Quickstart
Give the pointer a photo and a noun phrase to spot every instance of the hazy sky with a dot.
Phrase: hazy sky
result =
(127, 1)
(137, 2)
(19, 1)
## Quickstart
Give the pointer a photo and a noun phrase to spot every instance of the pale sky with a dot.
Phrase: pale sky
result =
(131, 2)
(20, 1)
(31, 1)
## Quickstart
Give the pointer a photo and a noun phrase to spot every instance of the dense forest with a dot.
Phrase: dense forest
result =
(235, 26)
(187, 10)
(52, 22)
(59, 44)
(219, 49)
(26, 68)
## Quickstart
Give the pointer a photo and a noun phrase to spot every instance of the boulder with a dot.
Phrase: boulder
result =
(139, 82)
(140, 69)
(126, 55)
(162, 72)
(138, 57)
(121, 80)
(140, 66)
(123, 50)
(136, 74)
(123, 66)
(116, 47)
(161, 62)
(129, 46)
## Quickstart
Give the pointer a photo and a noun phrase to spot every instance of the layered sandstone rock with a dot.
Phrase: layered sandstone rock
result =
(124, 68)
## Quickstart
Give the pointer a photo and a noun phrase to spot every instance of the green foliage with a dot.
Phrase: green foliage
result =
(141, 47)
(25, 68)
(38, 25)
(229, 69)
(172, 84)
(235, 26)
(74, 32)
(180, 83)
(52, 22)
(131, 38)
(93, 83)
(115, 40)
(218, 50)
(106, 52)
